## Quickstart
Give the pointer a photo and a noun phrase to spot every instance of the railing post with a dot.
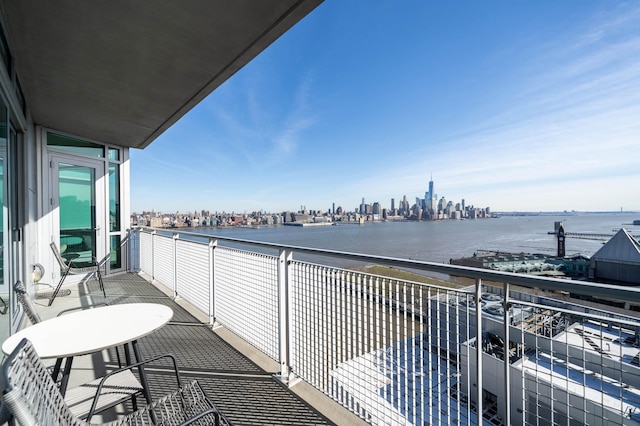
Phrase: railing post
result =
(213, 243)
(153, 255)
(176, 237)
(506, 304)
(479, 349)
(284, 258)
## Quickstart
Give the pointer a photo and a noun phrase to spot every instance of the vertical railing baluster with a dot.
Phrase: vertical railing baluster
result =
(396, 342)
(506, 414)
(386, 334)
(438, 384)
(479, 349)
(317, 324)
(421, 349)
(447, 374)
(403, 367)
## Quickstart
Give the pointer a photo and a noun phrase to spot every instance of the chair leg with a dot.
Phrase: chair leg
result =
(101, 283)
(55, 292)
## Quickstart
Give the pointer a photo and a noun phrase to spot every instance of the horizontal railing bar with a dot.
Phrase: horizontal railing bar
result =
(529, 281)
(465, 289)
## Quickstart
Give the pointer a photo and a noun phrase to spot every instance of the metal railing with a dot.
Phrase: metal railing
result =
(404, 352)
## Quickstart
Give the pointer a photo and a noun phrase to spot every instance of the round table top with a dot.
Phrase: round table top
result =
(91, 330)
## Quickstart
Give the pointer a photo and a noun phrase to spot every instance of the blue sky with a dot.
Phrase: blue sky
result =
(510, 104)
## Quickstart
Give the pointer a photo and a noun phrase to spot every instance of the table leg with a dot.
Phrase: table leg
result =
(65, 375)
(127, 354)
(127, 360)
(143, 375)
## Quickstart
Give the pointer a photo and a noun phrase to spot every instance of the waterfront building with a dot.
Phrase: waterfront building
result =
(442, 205)
(527, 263)
(431, 193)
(561, 241)
(618, 260)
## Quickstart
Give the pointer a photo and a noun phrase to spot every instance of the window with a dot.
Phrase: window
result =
(114, 154)
(114, 197)
(76, 146)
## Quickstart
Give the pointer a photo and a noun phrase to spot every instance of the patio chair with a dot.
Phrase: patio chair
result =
(25, 302)
(33, 398)
(30, 310)
(67, 267)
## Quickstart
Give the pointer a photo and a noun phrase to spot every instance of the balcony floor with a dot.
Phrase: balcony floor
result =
(242, 385)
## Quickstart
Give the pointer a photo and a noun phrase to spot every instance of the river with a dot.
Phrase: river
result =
(439, 241)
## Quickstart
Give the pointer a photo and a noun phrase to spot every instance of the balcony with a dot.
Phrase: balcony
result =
(321, 338)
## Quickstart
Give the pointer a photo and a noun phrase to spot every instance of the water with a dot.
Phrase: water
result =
(439, 241)
(416, 382)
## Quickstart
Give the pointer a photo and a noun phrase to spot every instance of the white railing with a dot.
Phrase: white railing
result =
(400, 352)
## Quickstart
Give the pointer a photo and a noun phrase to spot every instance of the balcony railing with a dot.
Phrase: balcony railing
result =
(398, 352)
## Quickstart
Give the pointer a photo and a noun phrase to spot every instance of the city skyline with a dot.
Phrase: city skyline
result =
(521, 107)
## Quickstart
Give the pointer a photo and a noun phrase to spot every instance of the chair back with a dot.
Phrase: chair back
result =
(30, 392)
(25, 301)
(63, 265)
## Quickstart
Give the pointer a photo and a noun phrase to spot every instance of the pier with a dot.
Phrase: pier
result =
(590, 235)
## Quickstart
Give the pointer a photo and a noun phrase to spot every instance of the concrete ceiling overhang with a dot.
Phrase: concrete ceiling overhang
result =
(123, 72)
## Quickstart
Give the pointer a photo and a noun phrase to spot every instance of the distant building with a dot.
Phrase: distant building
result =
(302, 218)
(561, 237)
(618, 260)
(431, 193)
(526, 263)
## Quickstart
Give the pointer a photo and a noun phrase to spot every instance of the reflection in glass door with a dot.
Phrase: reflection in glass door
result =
(79, 228)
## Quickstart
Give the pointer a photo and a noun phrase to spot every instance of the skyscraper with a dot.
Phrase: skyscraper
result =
(431, 193)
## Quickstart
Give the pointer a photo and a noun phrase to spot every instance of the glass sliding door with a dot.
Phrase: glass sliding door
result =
(77, 190)
(77, 213)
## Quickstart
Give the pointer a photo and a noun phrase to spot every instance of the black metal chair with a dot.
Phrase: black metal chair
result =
(67, 267)
(33, 398)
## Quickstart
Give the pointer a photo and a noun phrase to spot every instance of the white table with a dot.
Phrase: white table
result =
(91, 330)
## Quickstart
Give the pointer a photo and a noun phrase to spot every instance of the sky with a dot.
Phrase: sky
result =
(512, 105)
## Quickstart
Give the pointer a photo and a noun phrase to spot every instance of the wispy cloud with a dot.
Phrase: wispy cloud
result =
(267, 134)
(576, 118)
